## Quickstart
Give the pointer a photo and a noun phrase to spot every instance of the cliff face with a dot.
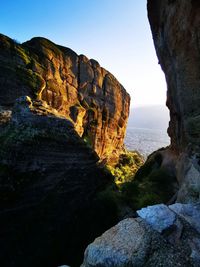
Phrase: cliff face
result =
(176, 35)
(78, 88)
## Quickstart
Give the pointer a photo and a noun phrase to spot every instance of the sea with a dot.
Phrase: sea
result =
(145, 141)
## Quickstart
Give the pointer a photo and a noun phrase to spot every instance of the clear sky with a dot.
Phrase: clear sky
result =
(114, 32)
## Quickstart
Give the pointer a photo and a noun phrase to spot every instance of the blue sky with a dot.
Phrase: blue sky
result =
(114, 32)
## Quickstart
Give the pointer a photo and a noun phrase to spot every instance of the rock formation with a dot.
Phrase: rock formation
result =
(176, 35)
(60, 115)
(49, 185)
(167, 235)
(162, 236)
(78, 88)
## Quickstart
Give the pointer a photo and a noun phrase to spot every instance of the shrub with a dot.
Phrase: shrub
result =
(152, 184)
(126, 167)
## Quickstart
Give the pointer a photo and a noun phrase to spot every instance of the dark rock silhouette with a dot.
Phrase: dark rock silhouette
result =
(175, 29)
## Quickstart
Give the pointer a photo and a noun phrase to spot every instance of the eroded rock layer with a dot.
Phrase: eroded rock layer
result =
(75, 86)
(50, 182)
(176, 34)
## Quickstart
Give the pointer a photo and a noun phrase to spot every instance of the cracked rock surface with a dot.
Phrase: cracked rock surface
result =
(77, 87)
(143, 242)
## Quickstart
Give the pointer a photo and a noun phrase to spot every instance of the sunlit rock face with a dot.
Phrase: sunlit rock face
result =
(176, 34)
(75, 86)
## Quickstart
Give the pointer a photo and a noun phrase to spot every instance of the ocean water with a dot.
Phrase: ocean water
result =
(145, 141)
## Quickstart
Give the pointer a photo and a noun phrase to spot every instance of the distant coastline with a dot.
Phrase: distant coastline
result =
(147, 129)
(145, 141)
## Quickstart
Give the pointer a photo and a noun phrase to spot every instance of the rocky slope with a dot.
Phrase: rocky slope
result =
(78, 88)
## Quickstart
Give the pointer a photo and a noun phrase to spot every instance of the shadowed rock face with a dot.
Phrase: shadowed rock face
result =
(75, 86)
(176, 35)
(49, 185)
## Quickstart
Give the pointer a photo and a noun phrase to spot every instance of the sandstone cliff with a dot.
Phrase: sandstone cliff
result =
(78, 88)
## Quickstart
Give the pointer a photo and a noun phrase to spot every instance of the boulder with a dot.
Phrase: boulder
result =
(160, 217)
(161, 236)
(189, 212)
(125, 244)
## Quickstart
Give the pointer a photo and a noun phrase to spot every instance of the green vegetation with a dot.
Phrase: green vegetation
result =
(152, 184)
(30, 78)
(18, 65)
(139, 186)
(13, 136)
(23, 54)
(127, 166)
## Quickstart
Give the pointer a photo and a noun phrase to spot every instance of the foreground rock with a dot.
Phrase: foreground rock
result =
(117, 246)
(150, 241)
(49, 185)
(176, 35)
(78, 88)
